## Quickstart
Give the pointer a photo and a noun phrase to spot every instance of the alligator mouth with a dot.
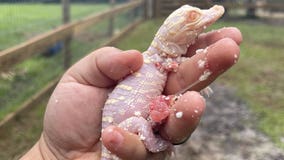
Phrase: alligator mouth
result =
(211, 15)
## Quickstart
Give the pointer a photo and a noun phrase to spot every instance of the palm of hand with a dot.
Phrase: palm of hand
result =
(73, 118)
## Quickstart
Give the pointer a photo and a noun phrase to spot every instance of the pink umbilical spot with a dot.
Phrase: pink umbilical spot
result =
(160, 108)
(158, 64)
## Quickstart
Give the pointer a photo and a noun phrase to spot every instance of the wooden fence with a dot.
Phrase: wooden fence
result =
(165, 7)
(21, 52)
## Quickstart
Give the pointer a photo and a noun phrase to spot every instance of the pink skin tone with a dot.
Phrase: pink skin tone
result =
(73, 115)
(127, 105)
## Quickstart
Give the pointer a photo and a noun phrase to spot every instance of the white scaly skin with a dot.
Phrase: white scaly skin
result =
(127, 105)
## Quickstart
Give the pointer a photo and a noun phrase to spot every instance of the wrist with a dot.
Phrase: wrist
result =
(40, 151)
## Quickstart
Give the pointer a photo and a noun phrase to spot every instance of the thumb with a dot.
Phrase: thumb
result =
(103, 67)
(123, 144)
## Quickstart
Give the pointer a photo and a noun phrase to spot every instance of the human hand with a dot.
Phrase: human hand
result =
(72, 122)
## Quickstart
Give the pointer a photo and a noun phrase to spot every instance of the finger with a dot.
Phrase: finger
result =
(220, 56)
(184, 118)
(104, 67)
(123, 144)
(158, 156)
(206, 39)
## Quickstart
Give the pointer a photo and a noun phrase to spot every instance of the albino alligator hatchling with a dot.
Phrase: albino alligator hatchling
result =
(136, 103)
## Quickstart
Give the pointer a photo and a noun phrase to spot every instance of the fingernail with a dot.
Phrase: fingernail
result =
(116, 138)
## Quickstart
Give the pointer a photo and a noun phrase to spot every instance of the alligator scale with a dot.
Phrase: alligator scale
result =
(131, 105)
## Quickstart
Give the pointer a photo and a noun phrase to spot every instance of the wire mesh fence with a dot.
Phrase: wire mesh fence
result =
(22, 20)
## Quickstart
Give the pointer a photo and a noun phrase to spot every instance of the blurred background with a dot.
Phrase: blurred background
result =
(40, 39)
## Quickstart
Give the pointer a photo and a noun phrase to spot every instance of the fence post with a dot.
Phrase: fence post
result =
(145, 9)
(251, 10)
(111, 20)
(67, 40)
(149, 9)
(157, 8)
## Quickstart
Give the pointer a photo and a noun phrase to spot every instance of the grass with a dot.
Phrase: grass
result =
(19, 22)
(33, 74)
(20, 135)
(141, 37)
(258, 77)
(26, 80)
(30, 76)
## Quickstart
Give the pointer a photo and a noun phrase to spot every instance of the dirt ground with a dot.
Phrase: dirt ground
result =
(227, 132)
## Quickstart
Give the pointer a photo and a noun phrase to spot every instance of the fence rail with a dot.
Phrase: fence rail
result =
(19, 53)
(33, 100)
(164, 7)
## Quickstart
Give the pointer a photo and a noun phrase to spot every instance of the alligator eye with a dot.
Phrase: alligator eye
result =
(193, 15)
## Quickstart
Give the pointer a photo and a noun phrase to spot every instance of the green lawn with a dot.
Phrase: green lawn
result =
(28, 77)
(22, 133)
(258, 77)
(19, 22)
